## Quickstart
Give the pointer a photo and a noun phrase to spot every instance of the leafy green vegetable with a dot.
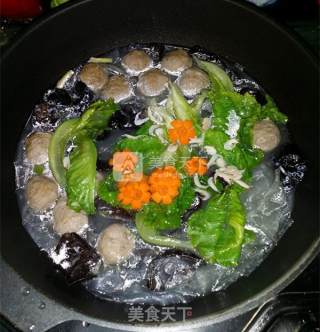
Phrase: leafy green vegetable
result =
(270, 110)
(246, 107)
(182, 155)
(96, 117)
(81, 175)
(160, 216)
(38, 169)
(151, 235)
(93, 121)
(154, 218)
(198, 101)
(107, 190)
(57, 146)
(224, 100)
(167, 217)
(217, 231)
(182, 109)
(228, 246)
(186, 195)
(218, 77)
(241, 157)
(149, 147)
(144, 129)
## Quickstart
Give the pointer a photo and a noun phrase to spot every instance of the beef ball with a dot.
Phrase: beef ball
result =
(37, 145)
(117, 88)
(67, 220)
(115, 244)
(41, 192)
(136, 61)
(152, 83)
(192, 81)
(176, 62)
(266, 135)
(94, 76)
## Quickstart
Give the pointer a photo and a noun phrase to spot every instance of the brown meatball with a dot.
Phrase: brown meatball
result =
(192, 81)
(136, 62)
(115, 244)
(41, 192)
(94, 76)
(117, 88)
(176, 62)
(152, 83)
(37, 145)
(266, 135)
(67, 220)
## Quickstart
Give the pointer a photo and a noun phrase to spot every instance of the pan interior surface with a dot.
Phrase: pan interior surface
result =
(268, 53)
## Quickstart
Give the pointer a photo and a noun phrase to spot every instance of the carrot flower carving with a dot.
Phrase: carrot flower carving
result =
(135, 194)
(164, 184)
(196, 165)
(181, 132)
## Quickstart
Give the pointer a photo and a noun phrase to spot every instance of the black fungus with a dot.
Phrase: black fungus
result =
(170, 268)
(45, 116)
(125, 117)
(81, 94)
(103, 165)
(196, 205)
(58, 97)
(76, 258)
(222, 181)
(292, 166)
(255, 92)
(107, 210)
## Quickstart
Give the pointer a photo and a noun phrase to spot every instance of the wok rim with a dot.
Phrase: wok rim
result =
(268, 292)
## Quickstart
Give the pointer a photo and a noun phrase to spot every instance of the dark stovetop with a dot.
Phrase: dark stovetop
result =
(297, 307)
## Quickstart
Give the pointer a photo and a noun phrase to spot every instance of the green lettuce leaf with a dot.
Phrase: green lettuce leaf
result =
(271, 111)
(218, 77)
(144, 129)
(217, 231)
(240, 156)
(108, 191)
(247, 108)
(96, 117)
(57, 146)
(93, 122)
(81, 175)
(182, 109)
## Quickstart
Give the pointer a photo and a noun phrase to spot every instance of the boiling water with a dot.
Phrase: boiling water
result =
(268, 215)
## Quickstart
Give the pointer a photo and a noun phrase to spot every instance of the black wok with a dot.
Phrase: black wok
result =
(68, 36)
